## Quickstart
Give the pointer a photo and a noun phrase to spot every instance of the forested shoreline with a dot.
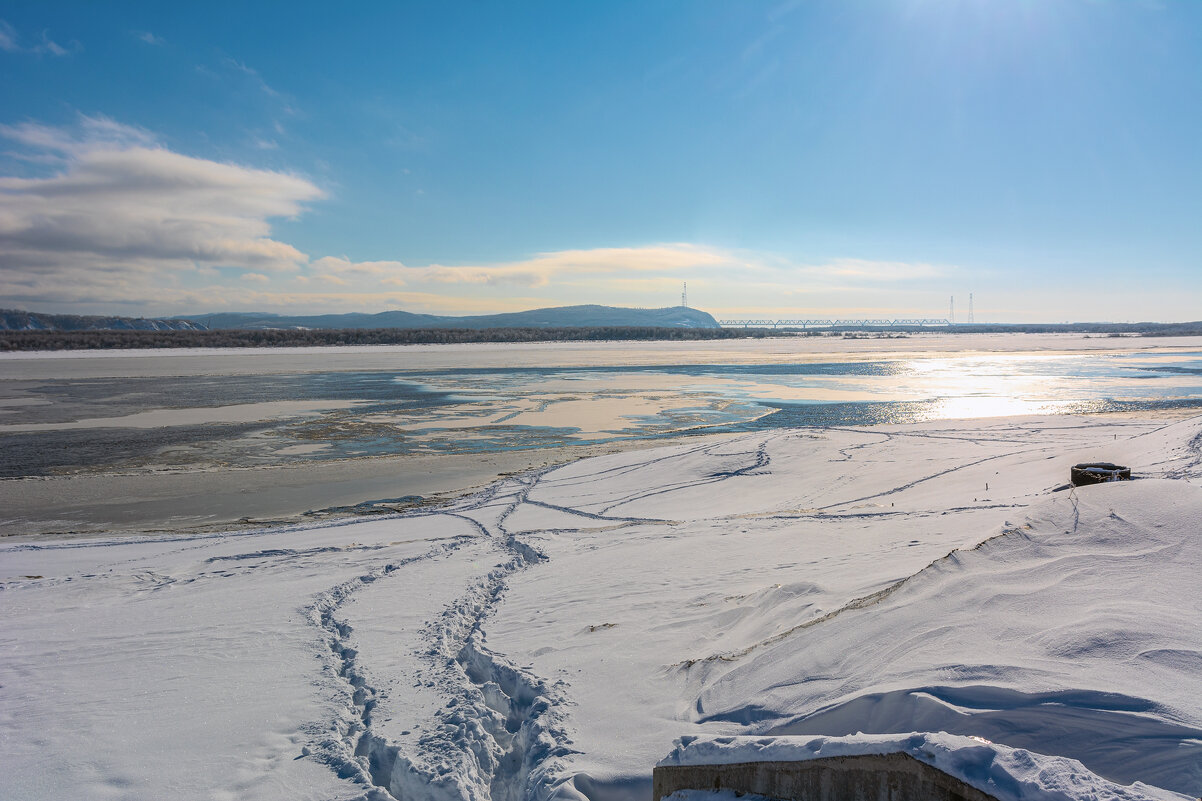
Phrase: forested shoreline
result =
(299, 338)
(275, 338)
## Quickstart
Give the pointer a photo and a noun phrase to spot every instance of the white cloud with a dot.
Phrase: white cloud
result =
(149, 38)
(124, 215)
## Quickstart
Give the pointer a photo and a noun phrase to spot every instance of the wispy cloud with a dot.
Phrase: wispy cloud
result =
(239, 78)
(149, 38)
(8, 38)
(48, 45)
(11, 42)
(252, 74)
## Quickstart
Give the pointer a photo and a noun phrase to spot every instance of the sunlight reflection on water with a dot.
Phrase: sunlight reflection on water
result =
(995, 386)
(65, 425)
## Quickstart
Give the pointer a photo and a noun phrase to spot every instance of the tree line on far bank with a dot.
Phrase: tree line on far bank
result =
(233, 338)
(290, 337)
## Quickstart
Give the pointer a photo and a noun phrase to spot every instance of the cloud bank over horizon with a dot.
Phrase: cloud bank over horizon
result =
(116, 221)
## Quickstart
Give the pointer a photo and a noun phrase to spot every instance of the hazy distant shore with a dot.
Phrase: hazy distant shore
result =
(302, 338)
(41, 365)
(294, 337)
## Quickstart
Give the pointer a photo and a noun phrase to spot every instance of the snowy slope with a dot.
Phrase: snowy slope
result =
(1076, 633)
(555, 633)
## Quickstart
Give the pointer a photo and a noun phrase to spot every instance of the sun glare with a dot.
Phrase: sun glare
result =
(985, 387)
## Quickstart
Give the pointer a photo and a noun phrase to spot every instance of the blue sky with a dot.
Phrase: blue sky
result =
(798, 158)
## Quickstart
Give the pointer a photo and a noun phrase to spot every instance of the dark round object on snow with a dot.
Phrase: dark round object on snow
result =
(1098, 473)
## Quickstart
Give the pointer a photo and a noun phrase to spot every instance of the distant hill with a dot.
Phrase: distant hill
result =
(559, 317)
(16, 320)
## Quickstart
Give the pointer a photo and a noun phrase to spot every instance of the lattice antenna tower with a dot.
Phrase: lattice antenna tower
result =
(951, 310)
(684, 294)
(970, 319)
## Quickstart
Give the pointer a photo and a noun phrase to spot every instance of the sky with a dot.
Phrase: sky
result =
(804, 159)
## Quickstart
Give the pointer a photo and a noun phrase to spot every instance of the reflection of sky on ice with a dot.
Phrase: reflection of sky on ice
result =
(72, 425)
(929, 388)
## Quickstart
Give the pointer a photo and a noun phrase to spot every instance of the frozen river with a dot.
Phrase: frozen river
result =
(154, 440)
(210, 413)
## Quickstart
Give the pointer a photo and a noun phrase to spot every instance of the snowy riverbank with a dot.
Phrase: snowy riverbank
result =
(556, 632)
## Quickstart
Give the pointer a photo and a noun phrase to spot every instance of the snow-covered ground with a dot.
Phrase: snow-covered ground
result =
(555, 633)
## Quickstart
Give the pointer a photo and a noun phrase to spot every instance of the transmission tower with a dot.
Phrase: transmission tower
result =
(684, 294)
(970, 320)
(951, 310)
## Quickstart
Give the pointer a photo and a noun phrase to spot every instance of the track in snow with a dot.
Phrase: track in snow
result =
(499, 731)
